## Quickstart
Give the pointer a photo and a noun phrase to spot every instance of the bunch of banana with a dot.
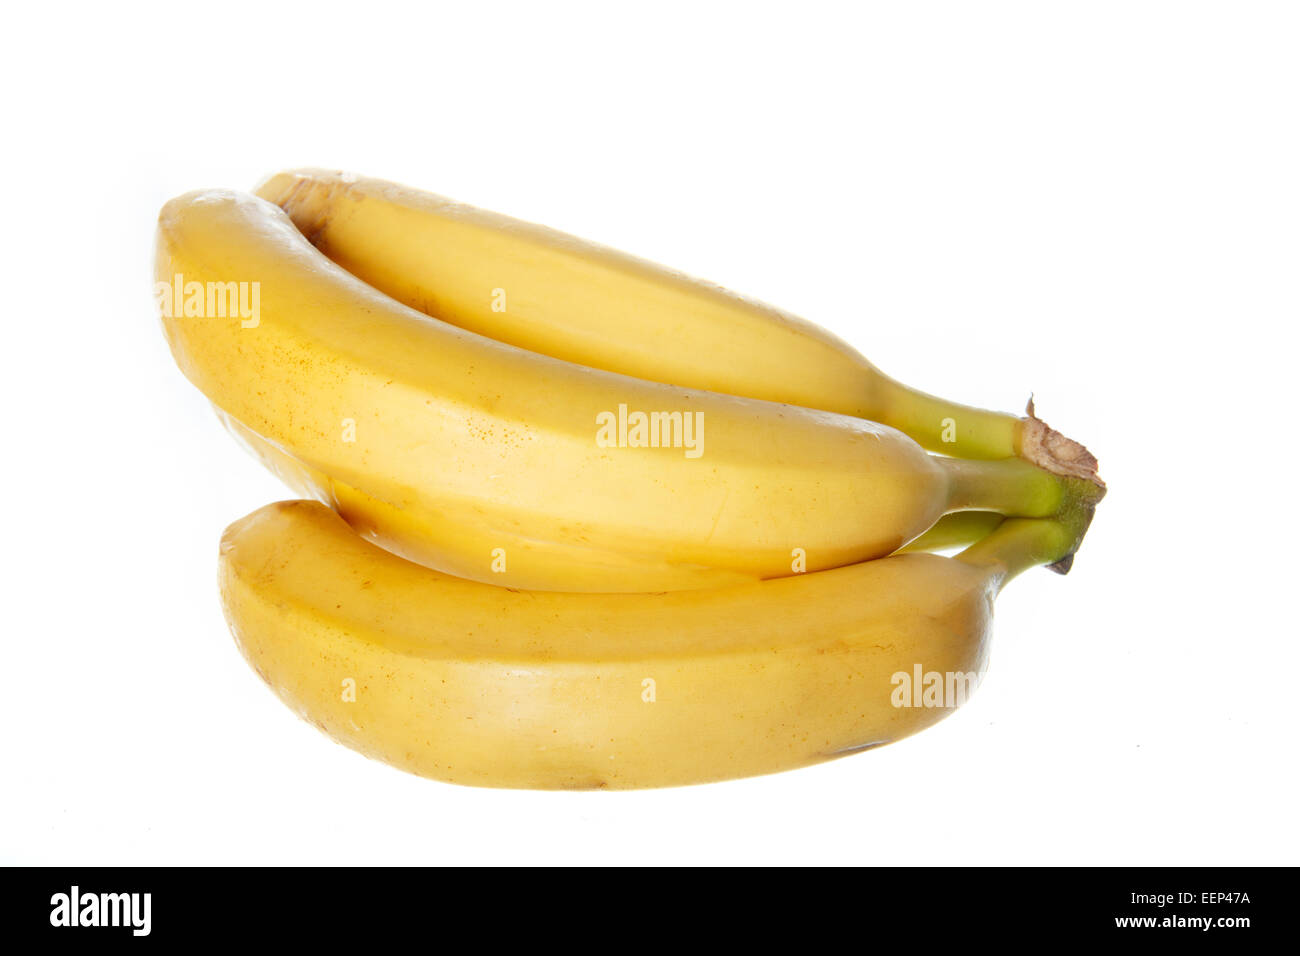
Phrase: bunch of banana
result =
(557, 421)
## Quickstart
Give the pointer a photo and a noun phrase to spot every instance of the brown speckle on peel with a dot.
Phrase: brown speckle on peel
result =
(312, 219)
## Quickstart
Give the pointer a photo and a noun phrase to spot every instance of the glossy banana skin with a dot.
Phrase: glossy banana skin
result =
(463, 447)
(559, 295)
(474, 684)
(954, 530)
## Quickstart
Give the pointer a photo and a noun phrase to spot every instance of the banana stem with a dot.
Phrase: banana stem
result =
(947, 427)
(963, 431)
(1019, 544)
(955, 530)
(1009, 487)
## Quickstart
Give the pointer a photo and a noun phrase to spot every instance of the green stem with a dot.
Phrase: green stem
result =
(1019, 544)
(961, 431)
(956, 530)
(1010, 486)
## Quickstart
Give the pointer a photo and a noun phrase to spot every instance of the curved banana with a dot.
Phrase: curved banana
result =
(553, 293)
(959, 529)
(489, 686)
(499, 464)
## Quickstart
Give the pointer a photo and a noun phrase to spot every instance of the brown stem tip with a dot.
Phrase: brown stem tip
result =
(1049, 449)
(1063, 566)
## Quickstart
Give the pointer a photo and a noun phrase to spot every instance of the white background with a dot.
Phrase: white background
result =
(1096, 202)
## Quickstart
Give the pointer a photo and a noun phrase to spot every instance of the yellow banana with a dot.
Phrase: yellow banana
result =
(499, 464)
(481, 685)
(553, 293)
(958, 529)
